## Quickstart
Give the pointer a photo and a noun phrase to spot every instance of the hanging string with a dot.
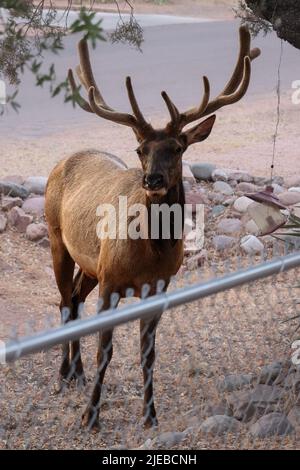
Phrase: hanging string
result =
(278, 92)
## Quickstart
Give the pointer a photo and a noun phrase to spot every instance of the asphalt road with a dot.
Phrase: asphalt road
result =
(174, 57)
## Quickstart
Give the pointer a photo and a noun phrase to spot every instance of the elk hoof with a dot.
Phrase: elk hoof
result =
(90, 420)
(150, 422)
(79, 380)
(61, 385)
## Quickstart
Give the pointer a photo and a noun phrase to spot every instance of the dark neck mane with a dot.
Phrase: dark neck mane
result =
(175, 195)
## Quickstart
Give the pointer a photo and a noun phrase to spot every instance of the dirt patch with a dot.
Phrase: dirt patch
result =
(214, 9)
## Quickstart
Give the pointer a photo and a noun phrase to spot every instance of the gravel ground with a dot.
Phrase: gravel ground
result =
(236, 332)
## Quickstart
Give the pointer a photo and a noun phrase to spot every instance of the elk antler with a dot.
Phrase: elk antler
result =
(97, 104)
(233, 91)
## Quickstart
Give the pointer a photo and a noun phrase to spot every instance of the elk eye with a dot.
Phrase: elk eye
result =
(178, 149)
(139, 152)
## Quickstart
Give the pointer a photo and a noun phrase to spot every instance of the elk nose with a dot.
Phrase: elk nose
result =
(154, 181)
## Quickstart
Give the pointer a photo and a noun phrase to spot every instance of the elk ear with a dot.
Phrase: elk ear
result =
(200, 131)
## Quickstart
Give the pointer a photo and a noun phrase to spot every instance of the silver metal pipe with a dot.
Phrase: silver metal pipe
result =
(154, 305)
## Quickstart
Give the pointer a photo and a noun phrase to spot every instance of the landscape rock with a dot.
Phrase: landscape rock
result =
(247, 187)
(226, 174)
(203, 171)
(220, 424)
(242, 203)
(10, 202)
(251, 245)
(277, 188)
(247, 404)
(293, 181)
(34, 206)
(223, 187)
(235, 382)
(217, 210)
(260, 180)
(292, 382)
(288, 198)
(3, 223)
(13, 190)
(219, 175)
(251, 227)
(272, 424)
(294, 417)
(229, 226)
(223, 242)
(170, 438)
(269, 373)
(229, 201)
(217, 409)
(295, 189)
(276, 179)
(216, 198)
(18, 219)
(35, 232)
(36, 184)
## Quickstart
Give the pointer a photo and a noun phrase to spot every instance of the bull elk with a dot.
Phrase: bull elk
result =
(79, 184)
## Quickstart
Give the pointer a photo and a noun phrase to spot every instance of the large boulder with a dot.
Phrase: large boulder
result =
(36, 184)
(251, 245)
(10, 202)
(18, 219)
(229, 226)
(13, 190)
(203, 171)
(35, 232)
(272, 424)
(220, 424)
(34, 206)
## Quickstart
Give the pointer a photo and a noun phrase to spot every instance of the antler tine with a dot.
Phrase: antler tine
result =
(97, 103)
(79, 99)
(121, 118)
(174, 113)
(134, 104)
(245, 42)
(233, 91)
(180, 120)
(85, 72)
(196, 113)
(225, 100)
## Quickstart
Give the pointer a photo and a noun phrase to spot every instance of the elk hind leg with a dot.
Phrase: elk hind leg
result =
(82, 287)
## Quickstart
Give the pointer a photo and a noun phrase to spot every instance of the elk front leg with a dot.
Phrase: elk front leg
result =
(147, 336)
(63, 266)
(90, 417)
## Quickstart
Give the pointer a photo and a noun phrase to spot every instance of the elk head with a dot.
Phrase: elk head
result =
(160, 151)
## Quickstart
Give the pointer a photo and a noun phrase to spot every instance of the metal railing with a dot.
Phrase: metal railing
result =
(143, 309)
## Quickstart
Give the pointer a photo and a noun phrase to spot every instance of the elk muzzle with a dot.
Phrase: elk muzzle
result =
(155, 184)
